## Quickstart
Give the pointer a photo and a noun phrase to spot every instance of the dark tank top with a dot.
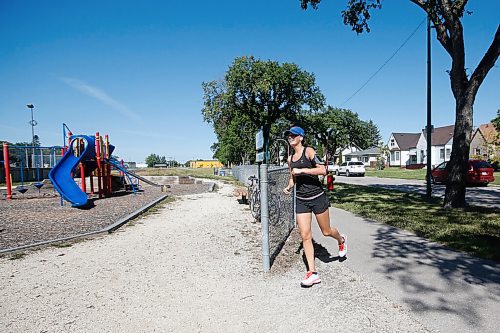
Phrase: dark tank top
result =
(307, 186)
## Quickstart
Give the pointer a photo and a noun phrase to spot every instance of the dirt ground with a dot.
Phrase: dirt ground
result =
(37, 217)
(193, 266)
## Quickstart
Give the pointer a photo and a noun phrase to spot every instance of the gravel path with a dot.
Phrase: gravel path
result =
(194, 266)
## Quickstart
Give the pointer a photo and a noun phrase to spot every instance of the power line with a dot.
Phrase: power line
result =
(386, 62)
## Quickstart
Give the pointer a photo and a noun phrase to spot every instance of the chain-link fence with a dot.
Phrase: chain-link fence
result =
(280, 217)
(281, 210)
(243, 172)
(30, 163)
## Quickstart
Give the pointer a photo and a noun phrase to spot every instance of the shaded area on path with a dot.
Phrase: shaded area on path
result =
(449, 290)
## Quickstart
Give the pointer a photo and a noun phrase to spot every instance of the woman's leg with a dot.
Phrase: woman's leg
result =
(304, 222)
(324, 224)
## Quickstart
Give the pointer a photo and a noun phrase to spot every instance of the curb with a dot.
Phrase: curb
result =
(129, 217)
(108, 229)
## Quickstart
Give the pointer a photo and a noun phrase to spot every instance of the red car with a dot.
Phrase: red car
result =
(480, 173)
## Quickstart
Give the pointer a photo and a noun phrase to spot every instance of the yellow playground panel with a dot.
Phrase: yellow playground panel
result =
(205, 164)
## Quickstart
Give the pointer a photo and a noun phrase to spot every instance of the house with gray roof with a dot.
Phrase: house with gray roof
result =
(441, 143)
(409, 150)
(402, 148)
(367, 156)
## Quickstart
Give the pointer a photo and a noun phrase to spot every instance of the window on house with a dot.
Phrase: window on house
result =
(348, 158)
(392, 142)
(441, 153)
(477, 151)
(448, 153)
(413, 159)
(365, 159)
(397, 156)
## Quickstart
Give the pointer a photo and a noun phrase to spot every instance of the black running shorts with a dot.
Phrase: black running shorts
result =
(317, 205)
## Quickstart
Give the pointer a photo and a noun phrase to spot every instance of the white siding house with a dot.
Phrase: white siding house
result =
(367, 156)
(441, 143)
(402, 147)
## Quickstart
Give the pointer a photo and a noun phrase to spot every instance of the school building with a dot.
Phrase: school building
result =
(205, 164)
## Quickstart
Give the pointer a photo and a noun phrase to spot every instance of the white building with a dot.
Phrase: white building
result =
(441, 143)
(402, 147)
(368, 156)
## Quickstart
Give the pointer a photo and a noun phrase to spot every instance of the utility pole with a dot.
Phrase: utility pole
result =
(428, 128)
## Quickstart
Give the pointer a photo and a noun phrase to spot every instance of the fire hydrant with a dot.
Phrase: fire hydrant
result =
(329, 181)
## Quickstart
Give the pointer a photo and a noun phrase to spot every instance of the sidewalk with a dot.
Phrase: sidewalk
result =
(195, 266)
(446, 290)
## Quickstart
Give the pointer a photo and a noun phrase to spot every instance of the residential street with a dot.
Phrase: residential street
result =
(479, 196)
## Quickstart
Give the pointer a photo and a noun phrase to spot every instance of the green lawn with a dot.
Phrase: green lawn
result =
(402, 173)
(476, 231)
(399, 173)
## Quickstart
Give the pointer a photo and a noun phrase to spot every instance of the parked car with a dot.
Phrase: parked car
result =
(332, 167)
(351, 168)
(480, 173)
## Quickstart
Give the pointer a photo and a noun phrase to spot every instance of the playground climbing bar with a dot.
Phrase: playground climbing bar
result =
(7, 170)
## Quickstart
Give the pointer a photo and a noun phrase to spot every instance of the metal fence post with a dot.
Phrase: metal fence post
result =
(264, 217)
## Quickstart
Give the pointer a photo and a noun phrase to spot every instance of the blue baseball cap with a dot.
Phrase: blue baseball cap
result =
(296, 130)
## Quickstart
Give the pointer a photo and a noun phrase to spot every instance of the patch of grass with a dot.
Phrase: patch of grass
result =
(475, 230)
(62, 245)
(17, 255)
(399, 173)
(497, 178)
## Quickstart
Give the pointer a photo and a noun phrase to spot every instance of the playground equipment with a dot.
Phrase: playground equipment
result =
(90, 155)
(83, 156)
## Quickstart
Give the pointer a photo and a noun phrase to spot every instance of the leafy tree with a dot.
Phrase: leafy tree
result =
(153, 159)
(335, 128)
(258, 93)
(382, 157)
(446, 16)
(36, 141)
(371, 135)
(496, 121)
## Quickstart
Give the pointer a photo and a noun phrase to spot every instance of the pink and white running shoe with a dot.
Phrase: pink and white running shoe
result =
(310, 279)
(343, 247)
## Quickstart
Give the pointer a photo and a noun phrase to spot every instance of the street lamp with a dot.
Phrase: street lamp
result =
(33, 123)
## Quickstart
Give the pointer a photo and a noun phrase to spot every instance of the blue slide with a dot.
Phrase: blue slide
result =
(60, 175)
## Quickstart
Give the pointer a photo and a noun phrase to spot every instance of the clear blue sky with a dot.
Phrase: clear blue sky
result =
(134, 69)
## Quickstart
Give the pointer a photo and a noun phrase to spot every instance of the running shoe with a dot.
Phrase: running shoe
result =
(343, 247)
(311, 279)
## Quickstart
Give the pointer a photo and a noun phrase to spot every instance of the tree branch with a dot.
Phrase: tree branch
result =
(487, 62)
(459, 6)
(442, 33)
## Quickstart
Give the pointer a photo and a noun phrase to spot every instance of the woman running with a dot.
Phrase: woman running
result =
(305, 167)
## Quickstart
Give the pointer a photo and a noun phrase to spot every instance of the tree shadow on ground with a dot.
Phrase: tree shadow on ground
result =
(404, 258)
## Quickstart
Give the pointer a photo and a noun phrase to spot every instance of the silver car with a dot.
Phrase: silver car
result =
(351, 169)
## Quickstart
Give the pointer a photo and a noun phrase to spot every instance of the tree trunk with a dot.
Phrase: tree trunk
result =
(458, 165)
